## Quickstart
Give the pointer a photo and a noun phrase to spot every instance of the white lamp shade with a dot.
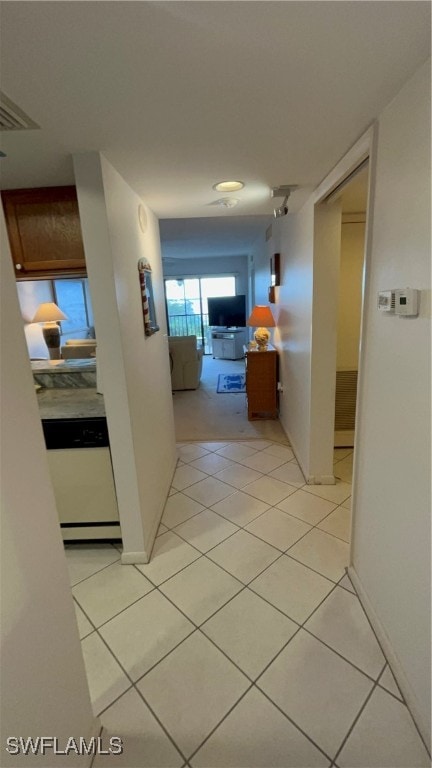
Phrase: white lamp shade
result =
(48, 313)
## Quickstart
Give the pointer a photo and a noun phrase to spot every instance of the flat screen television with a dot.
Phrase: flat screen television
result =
(227, 311)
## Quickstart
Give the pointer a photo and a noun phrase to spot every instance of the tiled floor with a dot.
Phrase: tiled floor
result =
(243, 642)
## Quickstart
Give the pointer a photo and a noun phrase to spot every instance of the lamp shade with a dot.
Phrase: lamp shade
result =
(48, 313)
(261, 316)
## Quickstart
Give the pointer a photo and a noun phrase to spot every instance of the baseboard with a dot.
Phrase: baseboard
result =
(321, 480)
(310, 479)
(344, 438)
(394, 663)
(132, 558)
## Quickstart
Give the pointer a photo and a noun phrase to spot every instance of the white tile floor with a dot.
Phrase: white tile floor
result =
(243, 642)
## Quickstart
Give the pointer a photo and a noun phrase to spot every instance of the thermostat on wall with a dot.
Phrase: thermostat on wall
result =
(406, 302)
(399, 301)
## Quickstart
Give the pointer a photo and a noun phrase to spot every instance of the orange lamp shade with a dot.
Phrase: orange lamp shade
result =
(261, 316)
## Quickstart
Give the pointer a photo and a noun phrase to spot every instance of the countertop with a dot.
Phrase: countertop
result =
(73, 403)
(63, 366)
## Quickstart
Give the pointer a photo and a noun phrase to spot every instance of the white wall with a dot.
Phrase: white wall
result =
(44, 686)
(261, 252)
(294, 236)
(326, 272)
(350, 295)
(135, 368)
(391, 550)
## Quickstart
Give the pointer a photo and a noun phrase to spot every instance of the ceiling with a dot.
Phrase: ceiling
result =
(180, 95)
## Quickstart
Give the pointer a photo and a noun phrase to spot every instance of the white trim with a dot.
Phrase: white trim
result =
(346, 165)
(344, 438)
(364, 147)
(321, 480)
(394, 663)
(130, 558)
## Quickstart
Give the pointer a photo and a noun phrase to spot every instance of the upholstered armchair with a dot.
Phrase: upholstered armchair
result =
(185, 361)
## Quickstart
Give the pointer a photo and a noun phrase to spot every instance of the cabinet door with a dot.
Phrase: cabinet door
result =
(261, 385)
(44, 230)
(218, 347)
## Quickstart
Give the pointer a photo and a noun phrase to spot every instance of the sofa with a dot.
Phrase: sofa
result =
(78, 349)
(185, 362)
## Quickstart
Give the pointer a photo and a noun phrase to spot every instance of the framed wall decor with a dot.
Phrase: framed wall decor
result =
(275, 269)
(148, 305)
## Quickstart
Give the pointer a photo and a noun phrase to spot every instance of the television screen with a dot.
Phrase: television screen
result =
(227, 311)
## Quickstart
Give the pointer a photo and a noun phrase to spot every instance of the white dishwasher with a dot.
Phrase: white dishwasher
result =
(81, 472)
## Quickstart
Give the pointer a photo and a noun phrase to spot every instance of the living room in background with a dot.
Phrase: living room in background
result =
(71, 295)
(186, 304)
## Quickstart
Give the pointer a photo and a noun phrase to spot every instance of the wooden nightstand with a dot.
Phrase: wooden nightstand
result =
(261, 383)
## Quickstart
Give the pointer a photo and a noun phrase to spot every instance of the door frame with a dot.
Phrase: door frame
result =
(324, 324)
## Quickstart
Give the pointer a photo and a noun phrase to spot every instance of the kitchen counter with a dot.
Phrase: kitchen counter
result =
(73, 403)
(65, 374)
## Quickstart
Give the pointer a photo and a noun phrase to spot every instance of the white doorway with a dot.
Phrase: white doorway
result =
(328, 215)
(353, 198)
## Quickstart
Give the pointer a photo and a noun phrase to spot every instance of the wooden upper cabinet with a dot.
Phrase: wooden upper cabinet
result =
(44, 231)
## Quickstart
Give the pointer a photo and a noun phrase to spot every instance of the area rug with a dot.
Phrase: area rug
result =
(231, 382)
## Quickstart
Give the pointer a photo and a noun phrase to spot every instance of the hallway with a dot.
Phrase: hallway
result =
(202, 412)
(242, 643)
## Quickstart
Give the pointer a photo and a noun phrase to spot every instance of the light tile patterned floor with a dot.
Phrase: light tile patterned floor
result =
(243, 642)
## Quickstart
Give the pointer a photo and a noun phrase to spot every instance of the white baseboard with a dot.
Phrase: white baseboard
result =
(132, 558)
(321, 480)
(310, 479)
(395, 665)
(344, 438)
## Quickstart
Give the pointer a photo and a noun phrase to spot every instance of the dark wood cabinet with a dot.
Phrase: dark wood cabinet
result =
(261, 384)
(44, 231)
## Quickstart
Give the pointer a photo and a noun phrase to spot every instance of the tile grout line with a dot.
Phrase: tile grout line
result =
(244, 586)
(356, 719)
(403, 702)
(164, 728)
(72, 586)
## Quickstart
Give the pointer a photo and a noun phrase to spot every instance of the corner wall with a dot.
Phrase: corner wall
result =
(135, 368)
(294, 235)
(44, 689)
(392, 534)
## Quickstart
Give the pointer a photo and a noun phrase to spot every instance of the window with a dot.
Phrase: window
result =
(73, 298)
(187, 310)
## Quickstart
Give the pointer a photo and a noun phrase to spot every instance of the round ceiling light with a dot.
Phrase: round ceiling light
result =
(228, 186)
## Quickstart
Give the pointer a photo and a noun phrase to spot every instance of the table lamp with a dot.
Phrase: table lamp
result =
(261, 317)
(49, 314)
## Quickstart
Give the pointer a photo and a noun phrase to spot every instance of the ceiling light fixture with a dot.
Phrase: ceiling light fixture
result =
(228, 202)
(228, 186)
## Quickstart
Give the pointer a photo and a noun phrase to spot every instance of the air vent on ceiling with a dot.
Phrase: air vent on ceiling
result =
(12, 118)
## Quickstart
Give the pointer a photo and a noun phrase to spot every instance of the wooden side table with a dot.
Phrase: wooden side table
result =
(261, 383)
